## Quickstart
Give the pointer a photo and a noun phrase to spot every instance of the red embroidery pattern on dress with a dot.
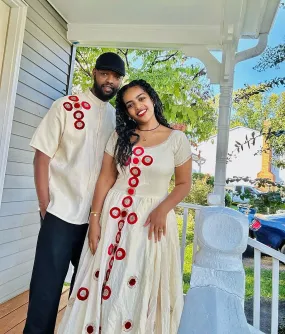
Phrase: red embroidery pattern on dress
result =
(120, 254)
(131, 191)
(132, 282)
(86, 105)
(147, 160)
(135, 171)
(73, 98)
(110, 249)
(77, 105)
(116, 212)
(124, 213)
(78, 114)
(106, 292)
(90, 328)
(82, 294)
(138, 151)
(121, 224)
(127, 326)
(111, 262)
(108, 272)
(127, 201)
(132, 218)
(128, 161)
(96, 275)
(79, 125)
(118, 237)
(133, 182)
(68, 106)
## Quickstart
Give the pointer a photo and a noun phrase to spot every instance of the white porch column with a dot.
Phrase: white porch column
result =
(225, 103)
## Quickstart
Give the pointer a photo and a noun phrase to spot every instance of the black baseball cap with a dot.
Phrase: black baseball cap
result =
(112, 62)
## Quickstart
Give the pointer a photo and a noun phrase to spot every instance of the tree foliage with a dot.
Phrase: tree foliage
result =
(252, 112)
(181, 85)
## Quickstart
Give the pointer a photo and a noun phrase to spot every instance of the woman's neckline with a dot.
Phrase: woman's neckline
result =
(153, 146)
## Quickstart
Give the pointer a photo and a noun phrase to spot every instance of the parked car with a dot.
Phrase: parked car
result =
(237, 193)
(269, 229)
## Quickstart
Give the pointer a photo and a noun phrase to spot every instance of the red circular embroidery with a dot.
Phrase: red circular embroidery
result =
(124, 213)
(73, 98)
(131, 191)
(127, 202)
(115, 212)
(79, 125)
(106, 292)
(120, 254)
(147, 160)
(138, 151)
(108, 272)
(128, 161)
(77, 105)
(121, 224)
(68, 106)
(135, 171)
(78, 115)
(90, 328)
(82, 294)
(96, 274)
(136, 161)
(132, 282)
(132, 218)
(133, 181)
(110, 249)
(111, 262)
(118, 237)
(128, 325)
(85, 105)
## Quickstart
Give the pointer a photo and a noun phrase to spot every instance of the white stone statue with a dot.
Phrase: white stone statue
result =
(215, 302)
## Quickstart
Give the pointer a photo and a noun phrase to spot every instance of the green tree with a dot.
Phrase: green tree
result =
(252, 112)
(182, 87)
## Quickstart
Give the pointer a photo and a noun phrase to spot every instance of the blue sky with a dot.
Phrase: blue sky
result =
(245, 74)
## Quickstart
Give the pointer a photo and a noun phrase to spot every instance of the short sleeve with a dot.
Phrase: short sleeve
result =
(182, 149)
(48, 135)
(111, 144)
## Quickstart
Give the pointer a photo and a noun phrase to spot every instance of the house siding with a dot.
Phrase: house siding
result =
(45, 68)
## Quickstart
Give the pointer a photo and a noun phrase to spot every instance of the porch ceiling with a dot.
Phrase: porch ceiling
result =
(195, 26)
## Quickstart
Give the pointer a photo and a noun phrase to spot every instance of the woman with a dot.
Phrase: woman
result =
(133, 282)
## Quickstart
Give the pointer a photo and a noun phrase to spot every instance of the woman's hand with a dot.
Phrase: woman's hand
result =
(94, 234)
(157, 223)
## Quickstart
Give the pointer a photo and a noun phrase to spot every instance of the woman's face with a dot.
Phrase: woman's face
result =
(139, 105)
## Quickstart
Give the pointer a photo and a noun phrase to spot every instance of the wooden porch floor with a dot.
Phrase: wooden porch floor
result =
(13, 313)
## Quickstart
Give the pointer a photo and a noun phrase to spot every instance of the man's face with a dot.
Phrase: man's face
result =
(106, 84)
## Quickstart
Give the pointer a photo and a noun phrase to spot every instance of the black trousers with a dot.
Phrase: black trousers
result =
(59, 243)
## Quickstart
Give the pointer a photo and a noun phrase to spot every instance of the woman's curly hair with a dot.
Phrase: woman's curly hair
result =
(125, 127)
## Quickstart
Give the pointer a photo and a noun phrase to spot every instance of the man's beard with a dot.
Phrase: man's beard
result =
(98, 91)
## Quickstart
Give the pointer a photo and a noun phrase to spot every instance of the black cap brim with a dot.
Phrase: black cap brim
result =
(109, 68)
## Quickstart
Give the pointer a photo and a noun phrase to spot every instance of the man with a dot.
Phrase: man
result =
(69, 144)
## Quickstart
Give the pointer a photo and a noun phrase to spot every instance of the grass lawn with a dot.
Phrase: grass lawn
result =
(266, 276)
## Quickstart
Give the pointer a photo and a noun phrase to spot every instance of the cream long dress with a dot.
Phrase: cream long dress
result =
(132, 284)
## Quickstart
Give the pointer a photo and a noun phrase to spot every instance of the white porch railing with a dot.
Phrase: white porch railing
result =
(258, 249)
(276, 258)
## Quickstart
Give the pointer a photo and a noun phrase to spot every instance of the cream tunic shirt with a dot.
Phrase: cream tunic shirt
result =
(74, 134)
